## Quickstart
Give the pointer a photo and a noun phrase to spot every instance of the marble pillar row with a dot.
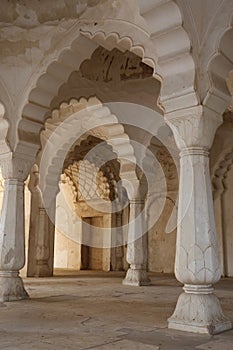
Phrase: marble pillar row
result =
(12, 228)
(137, 245)
(41, 231)
(197, 263)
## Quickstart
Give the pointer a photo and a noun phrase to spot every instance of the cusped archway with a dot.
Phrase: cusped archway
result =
(74, 121)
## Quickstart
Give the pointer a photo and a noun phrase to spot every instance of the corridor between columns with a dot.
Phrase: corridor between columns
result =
(116, 153)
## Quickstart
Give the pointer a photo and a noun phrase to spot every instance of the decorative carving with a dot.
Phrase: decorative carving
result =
(166, 161)
(194, 127)
(15, 168)
(89, 181)
(112, 66)
(220, 174)
(65, 179)
(102, 152)
(111, 174)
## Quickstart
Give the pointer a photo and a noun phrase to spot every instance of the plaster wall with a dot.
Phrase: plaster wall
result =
(67, 235)
(228, 224)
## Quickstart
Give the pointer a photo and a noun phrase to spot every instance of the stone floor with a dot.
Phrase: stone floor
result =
(92, 310)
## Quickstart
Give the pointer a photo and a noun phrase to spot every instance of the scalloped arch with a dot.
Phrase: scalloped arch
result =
(37, 108)
(109, 169)
(163, 45)
(218, 97)
(89, 181)
(68, 124)
(124, 43)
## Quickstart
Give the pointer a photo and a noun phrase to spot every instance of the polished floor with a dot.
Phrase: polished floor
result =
(93, 310)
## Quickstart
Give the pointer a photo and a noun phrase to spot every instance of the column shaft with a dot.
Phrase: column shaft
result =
(137, 246)
(197, 263)
(12, 241)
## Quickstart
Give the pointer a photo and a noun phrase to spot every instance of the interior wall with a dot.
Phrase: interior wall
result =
(222, 187)
(69, 234)
(96, 256)
(227, 223)
(161, 242)
(68, 230)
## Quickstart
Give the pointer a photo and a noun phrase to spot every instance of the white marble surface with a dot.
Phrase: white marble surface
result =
(197, 263)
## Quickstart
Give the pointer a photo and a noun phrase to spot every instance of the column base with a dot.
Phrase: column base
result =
(40, 269)
(43, 270)
(199, 313)
(136, 277)
(11, 287)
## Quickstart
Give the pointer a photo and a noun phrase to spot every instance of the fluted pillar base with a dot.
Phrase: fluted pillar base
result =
(11, 287)
(136, 276)
(198, 310)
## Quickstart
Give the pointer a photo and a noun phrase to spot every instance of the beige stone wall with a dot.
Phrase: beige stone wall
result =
(67, 233)
(161, 242)
(67, 252)
(227, 224)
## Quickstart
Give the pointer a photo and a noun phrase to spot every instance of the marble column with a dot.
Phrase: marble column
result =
(12, 228)
(137, 245)
(41, 232)
(197, 263)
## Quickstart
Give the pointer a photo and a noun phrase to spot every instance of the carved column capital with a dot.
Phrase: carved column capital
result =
(194, 127)
(15, 167)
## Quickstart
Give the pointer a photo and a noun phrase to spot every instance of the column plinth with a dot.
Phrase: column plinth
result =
(11, 286)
